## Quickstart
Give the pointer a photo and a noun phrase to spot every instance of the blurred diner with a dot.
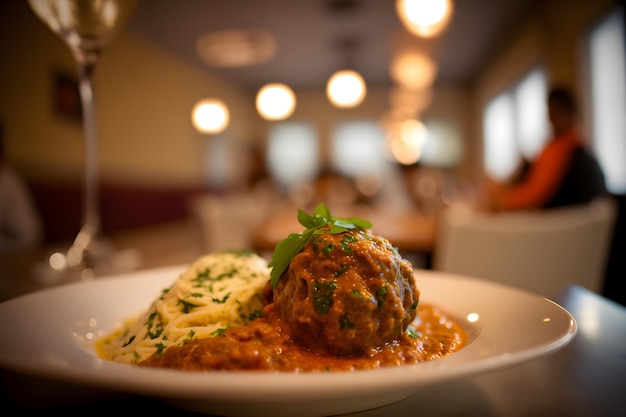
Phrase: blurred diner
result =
(564, 173)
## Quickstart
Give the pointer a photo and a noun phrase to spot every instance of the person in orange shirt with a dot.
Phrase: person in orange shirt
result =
(565, 172)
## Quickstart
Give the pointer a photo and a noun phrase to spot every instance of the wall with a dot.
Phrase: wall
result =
(144, 96)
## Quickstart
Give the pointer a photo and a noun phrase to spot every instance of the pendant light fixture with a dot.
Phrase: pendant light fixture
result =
(425, 18)
(346, 87)
(275, 101)
(210, 116)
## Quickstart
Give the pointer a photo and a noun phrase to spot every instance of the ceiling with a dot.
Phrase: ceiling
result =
(307, 34)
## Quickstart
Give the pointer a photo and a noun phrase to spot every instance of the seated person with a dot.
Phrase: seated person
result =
(565, 172)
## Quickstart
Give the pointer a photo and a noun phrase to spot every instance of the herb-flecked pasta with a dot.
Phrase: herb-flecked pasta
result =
(217, 291)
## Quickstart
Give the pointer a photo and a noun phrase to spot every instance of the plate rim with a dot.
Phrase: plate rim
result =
(407, 377)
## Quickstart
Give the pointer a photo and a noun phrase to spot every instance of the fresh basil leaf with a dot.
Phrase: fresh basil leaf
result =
(323, 212)
(293, 244)
(305, 219)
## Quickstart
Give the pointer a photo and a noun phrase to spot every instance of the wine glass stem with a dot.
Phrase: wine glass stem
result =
(91, 213)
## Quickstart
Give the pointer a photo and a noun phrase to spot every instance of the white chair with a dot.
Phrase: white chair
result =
(540, 251)
(227, 222)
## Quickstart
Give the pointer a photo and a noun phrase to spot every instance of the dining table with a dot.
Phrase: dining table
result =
(411, 231)
(586, 377)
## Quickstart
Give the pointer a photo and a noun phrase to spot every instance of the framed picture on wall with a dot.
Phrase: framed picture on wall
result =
(67, 97)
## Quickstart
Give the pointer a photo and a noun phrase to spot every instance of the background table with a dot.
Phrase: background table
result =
(409, 231)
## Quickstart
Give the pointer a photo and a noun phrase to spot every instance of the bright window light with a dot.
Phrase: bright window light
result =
(532, 120)
(516, 125)
(293, 155)
(358, 148)
(608, 97)
(443, 147)
(500, 151)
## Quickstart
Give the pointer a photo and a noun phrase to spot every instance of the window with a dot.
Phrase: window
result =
(531, 108)
(515, 125)
(608, 97)
(500, 150)
(443, 147)
(293, 154)
(358, 149)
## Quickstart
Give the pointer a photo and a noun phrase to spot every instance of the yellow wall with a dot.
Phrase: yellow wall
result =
(144, 96)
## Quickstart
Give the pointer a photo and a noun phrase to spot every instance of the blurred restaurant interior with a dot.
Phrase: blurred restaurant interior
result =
(440, 111)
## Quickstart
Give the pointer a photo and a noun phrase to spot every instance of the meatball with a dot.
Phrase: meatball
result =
(347, 294)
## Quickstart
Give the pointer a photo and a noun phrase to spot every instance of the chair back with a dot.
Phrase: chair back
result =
(227, 221)
(540, 251)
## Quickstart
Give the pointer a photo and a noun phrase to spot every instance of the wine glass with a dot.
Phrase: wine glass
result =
(87, 27)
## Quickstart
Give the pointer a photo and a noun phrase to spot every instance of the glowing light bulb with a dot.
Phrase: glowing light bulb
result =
(346, 88)
(405, 144)
(275, 101)
(413, 70)
(425, 18)
(210, 116)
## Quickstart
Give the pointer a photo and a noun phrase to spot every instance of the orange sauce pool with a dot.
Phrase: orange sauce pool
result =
(266, 345)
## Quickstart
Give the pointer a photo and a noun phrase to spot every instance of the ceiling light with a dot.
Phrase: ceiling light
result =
(412, 69)
(412, 102)
(236, 48)
(275, 101)
(406, 143)
(413, 133)
(391, 119)
(210, 116)
(346, 88)
(425, 18)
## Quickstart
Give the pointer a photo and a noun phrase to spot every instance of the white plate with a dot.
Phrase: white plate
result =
(51, 333)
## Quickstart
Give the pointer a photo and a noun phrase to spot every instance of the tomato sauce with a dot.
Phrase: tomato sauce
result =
(266, 344)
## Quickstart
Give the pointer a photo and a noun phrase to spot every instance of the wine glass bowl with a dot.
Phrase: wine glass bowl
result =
(87, 27)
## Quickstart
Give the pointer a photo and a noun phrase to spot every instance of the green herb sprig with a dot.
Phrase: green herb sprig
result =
(293, 244)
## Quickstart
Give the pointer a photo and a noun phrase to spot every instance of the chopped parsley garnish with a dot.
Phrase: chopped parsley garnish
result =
(293, 244)
(154, 325)
(130, 341)
(186, 307)
(160, 348)
(347, 239)
(413, 334)
(190, 336)
(219, 332)
(342, 270)
(323, 296)
(327, 249)
(345, 322)
(381, 294)
(220, 300)
(356, 293)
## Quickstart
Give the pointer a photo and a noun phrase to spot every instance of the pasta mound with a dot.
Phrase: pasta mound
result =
(217, 291)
